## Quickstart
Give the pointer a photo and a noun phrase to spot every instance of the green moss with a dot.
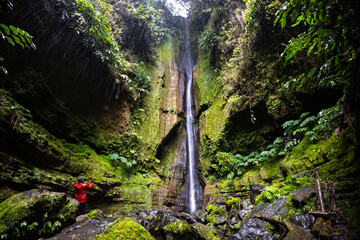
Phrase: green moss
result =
(233, 203)
(206, 232)
(330, 155)
(208, 83)
(214, 213)
(178, 227)
(126, 229)
(19, 213)
(92, 214)
(282, 189)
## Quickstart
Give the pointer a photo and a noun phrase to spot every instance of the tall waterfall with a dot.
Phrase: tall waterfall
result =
(190, 123)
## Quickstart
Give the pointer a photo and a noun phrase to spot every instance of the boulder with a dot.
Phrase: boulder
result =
(187, 217)
(306, 221)
(242, 213)
(299, 234)
(252, 230)
(86, 227)
(179, 230)
(125, 229)
(216, 214)
(157, 220)
(204, 232)
(326, 230)
(36, 213)
(277, 208)
(302, 193)
(200, 215)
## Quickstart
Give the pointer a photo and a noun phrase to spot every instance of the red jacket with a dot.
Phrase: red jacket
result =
(80, 191)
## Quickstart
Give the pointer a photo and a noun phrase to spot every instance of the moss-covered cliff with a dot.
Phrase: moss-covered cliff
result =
(102, 96)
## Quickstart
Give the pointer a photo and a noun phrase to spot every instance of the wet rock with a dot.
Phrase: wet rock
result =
(252, 230)
(234, 220)
(300, 194)
(216, 215)
(242, 213)
(246, 204)
(200, 216)
(187, 217)
(299, 234)
(29, 211)
(179, 230)
(219, 221)
(157, 221)
(278, 208)
(204, 232)
(96, 214)
(255, 191)
(84, 228)
(303, 220)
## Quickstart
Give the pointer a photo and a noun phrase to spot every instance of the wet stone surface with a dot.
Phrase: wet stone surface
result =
(252, 230)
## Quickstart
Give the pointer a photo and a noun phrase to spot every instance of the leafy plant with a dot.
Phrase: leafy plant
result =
(123, 160)
(324, 28)
(207, 40)
(311, 126)
(14, 36)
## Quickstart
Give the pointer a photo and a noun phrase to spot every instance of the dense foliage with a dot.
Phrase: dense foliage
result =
(274, 52)
(13, 35)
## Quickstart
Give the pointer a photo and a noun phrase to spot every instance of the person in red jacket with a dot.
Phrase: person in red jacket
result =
(80, 193)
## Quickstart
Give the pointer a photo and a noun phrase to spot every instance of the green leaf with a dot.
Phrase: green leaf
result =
(311, 72)
(14, 30)
(17, 40)
(6, 28)
(305, 114)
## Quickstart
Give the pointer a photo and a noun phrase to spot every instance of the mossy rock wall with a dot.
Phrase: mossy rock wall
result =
(35, 213)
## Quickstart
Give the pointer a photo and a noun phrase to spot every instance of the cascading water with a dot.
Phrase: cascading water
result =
(190, 123)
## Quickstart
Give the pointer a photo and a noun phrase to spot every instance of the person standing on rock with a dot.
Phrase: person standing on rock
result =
(80, 193)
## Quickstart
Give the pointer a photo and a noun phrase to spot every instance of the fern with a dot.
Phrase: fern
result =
(305, 114)
(300, 130)
(290, 123)
(308, 120)
(279, 140)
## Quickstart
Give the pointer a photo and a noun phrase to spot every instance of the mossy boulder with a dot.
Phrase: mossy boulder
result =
(125, 229)
(216, 215)
(279, 209)
(205, 232)
(253, 229)
(299, 234)
(35, 213)
(179, 230)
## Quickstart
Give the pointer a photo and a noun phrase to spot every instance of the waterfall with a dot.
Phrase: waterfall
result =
(190, 122)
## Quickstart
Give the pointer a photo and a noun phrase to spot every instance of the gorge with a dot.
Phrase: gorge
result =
(237, 122)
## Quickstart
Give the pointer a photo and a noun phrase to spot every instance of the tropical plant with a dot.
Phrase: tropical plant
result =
(310, 126)
(327, 29)
(14, 36)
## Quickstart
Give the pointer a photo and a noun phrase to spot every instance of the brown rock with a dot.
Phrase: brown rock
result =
(326, 230)
(300, 194)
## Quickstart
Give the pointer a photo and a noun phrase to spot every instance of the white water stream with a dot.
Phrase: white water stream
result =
(190, 121)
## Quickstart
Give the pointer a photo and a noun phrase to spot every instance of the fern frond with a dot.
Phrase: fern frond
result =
(279, 140)
(308, 120)
(300, 130)
(305, 114)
